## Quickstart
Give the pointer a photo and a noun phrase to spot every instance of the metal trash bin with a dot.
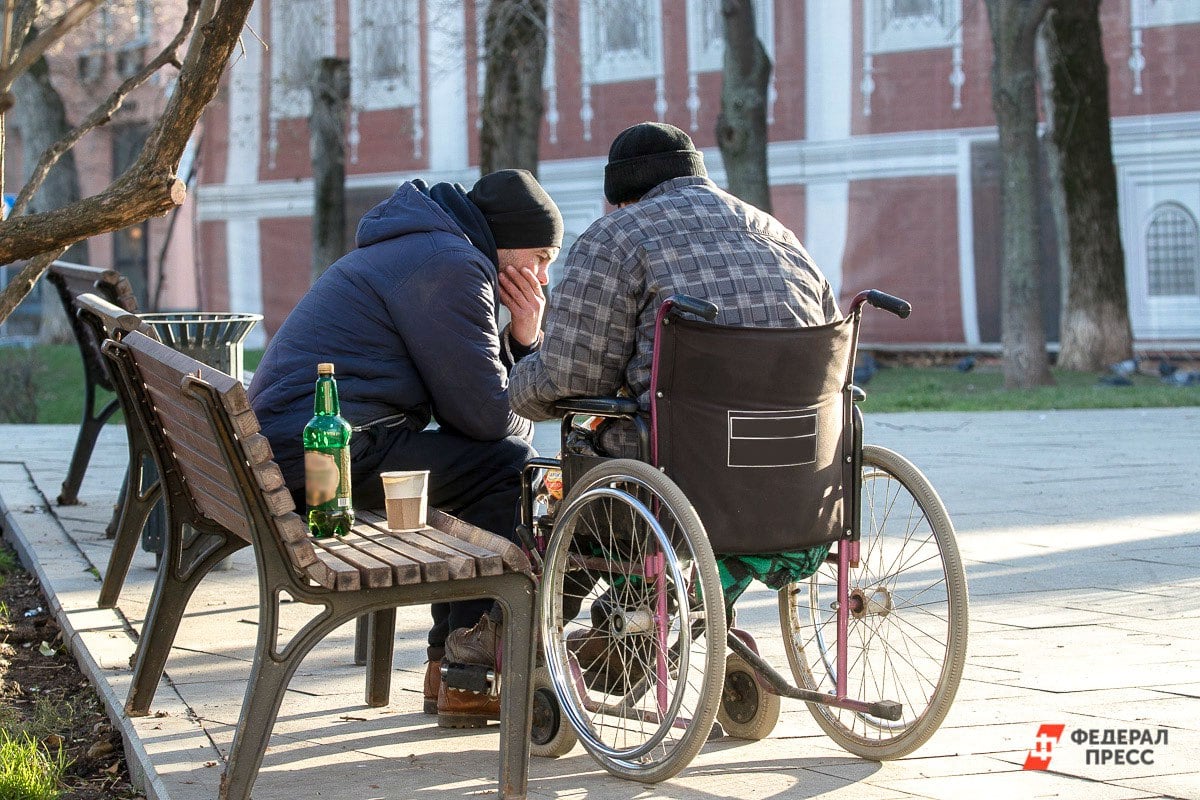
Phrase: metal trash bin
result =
(211, 337)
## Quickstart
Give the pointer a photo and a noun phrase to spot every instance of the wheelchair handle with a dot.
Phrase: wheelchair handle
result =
(690, 305)
(898, 306)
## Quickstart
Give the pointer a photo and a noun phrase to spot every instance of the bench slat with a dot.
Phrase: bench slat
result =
(514, 557)
(433, 568)
(404, 570)
(487, 562)
(166, 397)
(374, 574)
(332, 572)
(460, 565)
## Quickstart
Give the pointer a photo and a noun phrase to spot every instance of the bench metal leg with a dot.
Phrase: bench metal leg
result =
(361, 628)
(89, 429)
(268, 682)
(516, 691)
(172, 590)
(381, 638)
(132, 515)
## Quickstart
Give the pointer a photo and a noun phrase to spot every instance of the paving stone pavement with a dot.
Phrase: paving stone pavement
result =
(1081, 536)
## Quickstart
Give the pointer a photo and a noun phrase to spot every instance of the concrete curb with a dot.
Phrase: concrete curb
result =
(141, 767)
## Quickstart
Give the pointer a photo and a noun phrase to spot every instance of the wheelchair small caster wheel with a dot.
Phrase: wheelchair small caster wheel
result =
(747, 710)
(552, 735)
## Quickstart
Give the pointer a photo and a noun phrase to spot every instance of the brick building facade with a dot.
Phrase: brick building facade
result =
(882, 157)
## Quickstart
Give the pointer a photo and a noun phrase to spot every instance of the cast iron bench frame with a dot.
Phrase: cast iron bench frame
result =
(218, 478)
(72, 280)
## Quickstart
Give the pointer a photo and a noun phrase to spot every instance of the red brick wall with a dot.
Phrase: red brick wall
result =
(286, 245)
(213, 265)
(903, 239)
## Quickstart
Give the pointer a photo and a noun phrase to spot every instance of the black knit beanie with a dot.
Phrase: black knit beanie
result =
(645, 155)
(518, 210)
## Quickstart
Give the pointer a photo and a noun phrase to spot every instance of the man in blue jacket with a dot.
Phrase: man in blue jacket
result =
(410, 320)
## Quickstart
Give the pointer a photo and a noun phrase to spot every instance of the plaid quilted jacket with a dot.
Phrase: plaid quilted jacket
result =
(686, 236)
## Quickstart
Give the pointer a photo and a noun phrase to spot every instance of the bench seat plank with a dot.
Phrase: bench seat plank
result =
(404, 569)
(333, 573)
(433, 568)
(374, 574)
(487, 562)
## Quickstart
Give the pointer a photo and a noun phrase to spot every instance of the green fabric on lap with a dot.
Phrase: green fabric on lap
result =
(776, 570)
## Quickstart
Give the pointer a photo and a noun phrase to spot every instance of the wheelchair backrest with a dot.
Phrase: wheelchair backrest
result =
(754, 424)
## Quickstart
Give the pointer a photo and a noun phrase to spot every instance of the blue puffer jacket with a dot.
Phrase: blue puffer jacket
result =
(408, 320)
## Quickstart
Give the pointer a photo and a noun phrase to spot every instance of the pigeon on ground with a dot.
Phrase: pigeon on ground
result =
(966, 364)
(1115, 380)
(1124, 368)
(1166, 369)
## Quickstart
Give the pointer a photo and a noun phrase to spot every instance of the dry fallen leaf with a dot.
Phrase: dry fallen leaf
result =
(53, 741)
(100, 748)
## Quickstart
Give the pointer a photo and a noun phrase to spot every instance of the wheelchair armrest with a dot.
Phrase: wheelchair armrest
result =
(857, 394)
(598, 406)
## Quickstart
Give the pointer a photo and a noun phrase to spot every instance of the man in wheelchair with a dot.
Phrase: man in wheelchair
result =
(674, 232)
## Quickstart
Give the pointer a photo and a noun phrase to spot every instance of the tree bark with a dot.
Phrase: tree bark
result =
(41, 118)
(742, 123)
(515, 56)
(150, 186)
(1095, 323)
(1013, 26)
(327, 149)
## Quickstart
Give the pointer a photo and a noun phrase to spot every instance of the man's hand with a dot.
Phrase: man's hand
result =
(521, 293)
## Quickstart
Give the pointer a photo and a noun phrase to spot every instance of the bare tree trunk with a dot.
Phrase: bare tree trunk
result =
(41, 118)
(327, 148)
(515, 55)
(1095, 328)
(742, 123)
(1014, 31)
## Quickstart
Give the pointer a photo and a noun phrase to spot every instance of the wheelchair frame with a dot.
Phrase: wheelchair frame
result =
(536, 533)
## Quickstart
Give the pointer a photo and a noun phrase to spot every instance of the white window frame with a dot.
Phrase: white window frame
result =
(626, 65)
(1159, 13)
(290, 102)
(880, 37)
(1158, 316)
(708, 56)
(1180, 208)
(371, 94)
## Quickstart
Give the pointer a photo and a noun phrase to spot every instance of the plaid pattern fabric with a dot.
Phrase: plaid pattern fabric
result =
(686, 236)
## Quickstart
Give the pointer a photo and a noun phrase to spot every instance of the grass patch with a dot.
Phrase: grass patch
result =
(28, 769)
(905, 388)
(897, 386)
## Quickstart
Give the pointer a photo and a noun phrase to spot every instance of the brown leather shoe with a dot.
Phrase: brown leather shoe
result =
(461, 709)
(475, 645)
(433, 682)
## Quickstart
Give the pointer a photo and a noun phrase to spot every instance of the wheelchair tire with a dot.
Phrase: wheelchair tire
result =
(551, 736)
(747, 710)
(910, 645)
(638, 681)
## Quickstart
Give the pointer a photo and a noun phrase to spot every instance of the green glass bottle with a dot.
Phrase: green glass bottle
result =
(327, 462)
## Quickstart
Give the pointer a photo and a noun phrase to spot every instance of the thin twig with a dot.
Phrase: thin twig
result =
(103, 113)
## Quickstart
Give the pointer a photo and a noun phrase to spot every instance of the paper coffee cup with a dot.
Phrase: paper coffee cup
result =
(404, 496)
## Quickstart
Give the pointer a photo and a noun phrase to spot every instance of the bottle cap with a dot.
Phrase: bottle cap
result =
(325, 369)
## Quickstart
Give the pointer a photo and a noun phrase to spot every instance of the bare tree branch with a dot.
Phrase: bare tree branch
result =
(150, 186)
(32, 51)
(23, 282)
(103, 113)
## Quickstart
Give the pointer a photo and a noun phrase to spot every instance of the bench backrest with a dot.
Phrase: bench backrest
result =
(108, 321)
(216, 466)
(73, 280)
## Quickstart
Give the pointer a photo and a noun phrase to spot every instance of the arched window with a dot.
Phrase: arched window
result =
(1172, 250)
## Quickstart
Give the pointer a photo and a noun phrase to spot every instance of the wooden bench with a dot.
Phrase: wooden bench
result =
(72, 280)
(219, 478)
(107, 321)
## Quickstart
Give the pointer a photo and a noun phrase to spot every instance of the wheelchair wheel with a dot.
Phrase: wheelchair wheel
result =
(747, 710)
(633, 621)
(551, 736)
(908, 640)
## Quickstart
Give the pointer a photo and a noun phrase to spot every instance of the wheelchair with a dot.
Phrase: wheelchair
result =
(753, 447)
